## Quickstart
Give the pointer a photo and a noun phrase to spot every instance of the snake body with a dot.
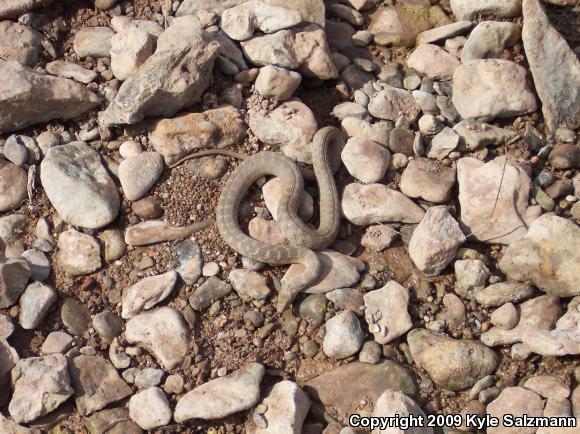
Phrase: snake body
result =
(303, 239)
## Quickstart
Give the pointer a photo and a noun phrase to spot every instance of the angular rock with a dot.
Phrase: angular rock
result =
(71, 70)
(343, 337)
(433, 61)
(443, 32)
(546, 256)
(209, 291)
(13, 186)
(35, 302)
(393, 403)
(492, 88)
(162, 332)
(139, 173)
(130, 48)
(190, 260)
(435, 241)
(113, 420)
(93, 42)
(14, 275)
(20, 43)
(147, 293)
(223, 396)
(13, 229)
(469, 9)
(391, 103)
(444, 142)
(475, 135)
(386, 312)
(57, 342)
(554, 66)
(15, 8)
(28, 97)
(275, 82)
(489, 39)
(78, 254)
(399, 25)
(287, 407)
(176, 75)
(365, 160)
(374, 203)
(548, 387)
(150, 408)
(378, 132)
(108, 325)
(250, 284)
(517, 402)
(427, 179)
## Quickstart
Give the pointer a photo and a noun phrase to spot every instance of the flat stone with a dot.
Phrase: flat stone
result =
(78, 254)
(249, 284)
(518, 402)
(147, 293)
(223, 396)
(93, 42)
(391, 103)
(14, 275)
(343, 337)
(20, 43)
(96, 383)
(287, 406)
(393, 403)
(433, 61)
(155, 231)
(74, 175)
(13, 186)
(470, 9)
(113, 420)
(209, 291)
(427, 179)
(365, 160)
(162, 332)
(489, 39)
(443, 32)
(35, 302)
(139, 173)
(386, 312)
(71, 70)
(150, 408)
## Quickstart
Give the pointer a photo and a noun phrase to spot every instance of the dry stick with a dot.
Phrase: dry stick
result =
(209, 152)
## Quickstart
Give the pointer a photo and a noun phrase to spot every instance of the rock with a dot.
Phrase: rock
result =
(147, 293)
(490, 217)
(287, 406)
(108, 325)
(174, 384)
(548, 53)
(504, 292)
(370, 353)
(445, 142)
(20, 43)
(378, 237)
(454, 311)
(428, 180)
(96, 383)
(386, 312)
(105, 4)
(565, 156)
(190, 260)
(399, 25)
(469, 9)
(57, 342)
(517, 402)
(114, 420)
(35, 302)
(472, 275)
(73, 174)
(180, 67)
(548, 387)
(443, 32)
(542, 258)
(374, 203)
(475, 135)
(451, 364)
(240, 22)
(355, 77)
(338, 271)
(378, 132)
(155, 231)
(78, 254)
(347, 299)
(506, 317)
(150, 207)
(114, 244)
(75, 316)
(29, 97)
(13, 229)
(343, 336)
(216, 128)
(249, 284)
(275, 82)
(429, 125)
(365, 160)
(435, 241)
(123, 23)
(346, 13)
(393, 403)
(351, 109)
(8, 359)
(10, 427)
(433, 61)
(223, 396)
(343, 388)
(150, 408)
(71, 70)
(130, 48)
(391, 103)
(139, 173)
(209, 291)
(6, 327)
(13, 182)
(489, 39)
(15, 8)
(162, 332)
(305, 50)
(93, 42)
(41, 384)
(14, 275)
(492, 88)
(38, 263)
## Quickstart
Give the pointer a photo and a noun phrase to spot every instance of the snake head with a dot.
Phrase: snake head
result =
(286, 295)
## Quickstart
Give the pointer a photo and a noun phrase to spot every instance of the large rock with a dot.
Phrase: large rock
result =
(305, 50)
(216, 128)
(147, 293)
(492, 88)
(78, 185)
(287, 406)
(173, 78)
(547, 256)
(433, 61)
(386, 312)
(28, 97)
(452, 364)
(516, 402)
(15, 8)
(399, 25)
(374, 203)
(20, 43)
(394, 404)
(489, 39)
(505, 221)
(96, 383)
(470, 9)
(554, 66)
(41, 384)
(223, 396)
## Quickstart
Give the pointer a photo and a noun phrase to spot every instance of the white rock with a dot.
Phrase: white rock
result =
(130, 48)
(518, 402)
(15, 8)
(78, 254)
(150, 408)
(470, 9)
(489, 39)
(506, 317)
(223, 396)
(391, 103)
(435, 241)
(147, 293)
(445, 142)
(365, 160)
(287, 406)
(93, 42)
(71, 70)
(433, 61)
(139, 173)
(393, 403)
(350, 109)
(386, 312)
(35, 302)
(343, 337)
(277, 82)
(472, 275)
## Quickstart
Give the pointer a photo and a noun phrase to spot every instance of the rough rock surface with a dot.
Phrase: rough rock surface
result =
(515, 401)
(147, 293)
(393, 403)
(15, 8)
(386, 312)
(287, 406)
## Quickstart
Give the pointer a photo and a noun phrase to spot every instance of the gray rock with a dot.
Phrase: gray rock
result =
(39, 264)
(548, 55)
(506, 317)
(20, 43)
(445, 142)
(180, 69)
(433, 61)
(209, 291)
(78, 254)
(313, 307)
(108, 325)
(35, 302)
(29, 97)
(475, 135)
(150, 408)
(277, 82)
(93, 42)
(391, 102)
(469, 9)
(147, 293)
(14, 275)
(287, 406)
(504, 292)
(75, 316)
(190, 260)
(41, 384)
(79, 186)
(518, 402)
(96, 383)
(57, 342)
(15, 8)
(347, 299)
(386, 312)
(451, 364)
(223, 396)
(13, 183)
(489, 39)
(472, 275)
(343, 336)
(139, 173)
(428, 180)
(148, 377)
(371, 352)
(13, 229)
(393, 403)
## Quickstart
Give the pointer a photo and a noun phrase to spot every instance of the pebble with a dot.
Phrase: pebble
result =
(210, 269)
(371, 352)
(75, 316)
(38, 263)
(35, 302)
(444, 142)
(286, 408)
(506, 317)
(139, 173)
(13, 186)
(174, 384)
(428, 180)
(365, 160)
(208, 292)
(149, 408)
(148, 377)
(378, 237)
(347, 299)
(78, 254)
(344, 336)
(276, 82)
(57, 342)
(108, 325)
(147, 293)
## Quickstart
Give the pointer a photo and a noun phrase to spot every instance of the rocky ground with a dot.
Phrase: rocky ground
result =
(452, 288)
